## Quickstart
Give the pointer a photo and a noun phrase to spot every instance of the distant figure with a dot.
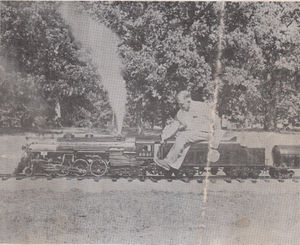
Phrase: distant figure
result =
(194, 122)
(57, 116)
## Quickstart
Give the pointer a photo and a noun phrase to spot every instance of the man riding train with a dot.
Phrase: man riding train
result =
(195, 121)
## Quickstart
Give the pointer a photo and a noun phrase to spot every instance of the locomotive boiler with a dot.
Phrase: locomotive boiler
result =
(92, 155)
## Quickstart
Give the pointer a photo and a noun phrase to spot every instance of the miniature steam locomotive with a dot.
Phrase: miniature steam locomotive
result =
(91, 155)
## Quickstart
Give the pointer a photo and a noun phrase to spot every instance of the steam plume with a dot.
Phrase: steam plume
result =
(102, 44)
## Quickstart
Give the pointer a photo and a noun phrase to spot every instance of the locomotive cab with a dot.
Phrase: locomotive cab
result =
(146, 147)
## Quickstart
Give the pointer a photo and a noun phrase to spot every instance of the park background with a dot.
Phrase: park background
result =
(113, 64)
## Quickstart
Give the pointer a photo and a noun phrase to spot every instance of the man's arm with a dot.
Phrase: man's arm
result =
(182, 124)
(171, 129)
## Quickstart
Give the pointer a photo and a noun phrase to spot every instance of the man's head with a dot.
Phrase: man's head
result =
(184, 100)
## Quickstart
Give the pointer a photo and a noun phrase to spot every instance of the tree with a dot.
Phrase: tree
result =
(165, 47)
(160, 51)
(20, 103)
(172, 46)
(36, 41)
(261, 60)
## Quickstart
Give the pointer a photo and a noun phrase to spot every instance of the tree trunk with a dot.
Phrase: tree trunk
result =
(140, 126)
(163, 121)
(139, 120)
(152, 123)
(26, 120)
(266, 125)
(266, 118)
(275, 120)
(163, 116)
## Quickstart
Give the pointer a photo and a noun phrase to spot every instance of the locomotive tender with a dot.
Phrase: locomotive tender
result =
(133, 157)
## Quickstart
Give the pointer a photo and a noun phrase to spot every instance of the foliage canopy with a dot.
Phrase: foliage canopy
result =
(165, 47)
(36, 42)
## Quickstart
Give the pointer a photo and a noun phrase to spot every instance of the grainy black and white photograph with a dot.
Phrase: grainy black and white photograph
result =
(150, 122)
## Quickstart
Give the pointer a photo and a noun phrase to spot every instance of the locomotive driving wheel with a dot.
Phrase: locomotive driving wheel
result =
(80, 167)
(98, 167)
(28, 171)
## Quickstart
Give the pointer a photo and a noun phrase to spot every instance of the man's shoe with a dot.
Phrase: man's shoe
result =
(163, 164)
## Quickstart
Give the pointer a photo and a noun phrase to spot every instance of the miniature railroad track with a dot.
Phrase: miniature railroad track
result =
(200, 179)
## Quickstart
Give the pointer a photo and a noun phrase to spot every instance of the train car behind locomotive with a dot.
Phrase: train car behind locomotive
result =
(286, 155)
